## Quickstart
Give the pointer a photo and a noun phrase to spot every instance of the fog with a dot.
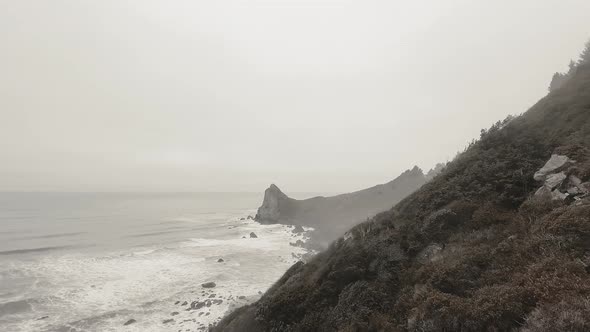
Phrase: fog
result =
(315, 96)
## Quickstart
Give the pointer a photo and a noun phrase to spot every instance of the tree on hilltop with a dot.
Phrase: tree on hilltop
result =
(585, 56)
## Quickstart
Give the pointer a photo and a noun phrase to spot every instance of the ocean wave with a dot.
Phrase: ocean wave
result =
(31, 250)
(50, 236)
(157, 233)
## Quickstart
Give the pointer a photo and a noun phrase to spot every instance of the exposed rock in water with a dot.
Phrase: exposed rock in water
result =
(298, 229)
(250, 218)
(253, 235)
(166, 321)
(208, 285)
(174, 313)
(297, 243)
(220, 260)
(332, 216)
(196, 305)
(129, 322)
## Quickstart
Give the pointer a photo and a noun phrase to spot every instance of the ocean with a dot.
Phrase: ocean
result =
(96, 261)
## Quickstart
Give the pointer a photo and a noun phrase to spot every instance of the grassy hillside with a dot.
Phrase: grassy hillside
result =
(469, 251)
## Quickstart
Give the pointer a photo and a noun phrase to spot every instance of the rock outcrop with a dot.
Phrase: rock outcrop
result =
(332, 216)
(552, 165)
(560, 182)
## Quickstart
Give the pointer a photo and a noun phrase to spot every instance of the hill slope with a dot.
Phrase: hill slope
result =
(473, 250)
(332, 216)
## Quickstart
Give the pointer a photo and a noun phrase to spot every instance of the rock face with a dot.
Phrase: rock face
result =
(274, 202)
(332, 216)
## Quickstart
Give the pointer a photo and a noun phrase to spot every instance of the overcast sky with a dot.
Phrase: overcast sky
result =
(313, 95)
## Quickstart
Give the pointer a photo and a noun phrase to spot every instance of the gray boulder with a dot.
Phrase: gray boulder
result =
(555, 180)
(558, 195)
(555, 162)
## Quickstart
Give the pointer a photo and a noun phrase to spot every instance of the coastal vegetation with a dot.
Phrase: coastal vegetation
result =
(475, 249)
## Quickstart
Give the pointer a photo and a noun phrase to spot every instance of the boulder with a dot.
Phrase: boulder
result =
(555, 180)
(574, 180)
(298, 229)
(558, 195)
(129, 322)
(253, 235)
(220, 260)
(196, 305)
(555, 162)
(574, 191)
(208, 285)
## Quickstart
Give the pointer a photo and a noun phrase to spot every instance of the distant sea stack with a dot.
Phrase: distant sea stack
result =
(332, 216)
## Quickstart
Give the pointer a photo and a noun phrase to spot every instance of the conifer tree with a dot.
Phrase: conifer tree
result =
(585, 56)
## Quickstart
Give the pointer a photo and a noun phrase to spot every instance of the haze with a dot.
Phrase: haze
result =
(321, 95)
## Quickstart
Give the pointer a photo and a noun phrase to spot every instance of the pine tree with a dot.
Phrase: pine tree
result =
(585, 56)
(557, 81)
(572, 67)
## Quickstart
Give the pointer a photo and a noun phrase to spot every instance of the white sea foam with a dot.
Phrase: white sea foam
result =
(92, 292)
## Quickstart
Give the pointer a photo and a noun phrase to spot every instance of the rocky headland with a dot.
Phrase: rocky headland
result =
(331, 216)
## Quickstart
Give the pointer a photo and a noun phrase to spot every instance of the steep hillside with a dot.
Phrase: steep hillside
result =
(332, 216)
(482, 247)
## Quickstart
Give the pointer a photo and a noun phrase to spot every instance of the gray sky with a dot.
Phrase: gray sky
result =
(313, 95)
